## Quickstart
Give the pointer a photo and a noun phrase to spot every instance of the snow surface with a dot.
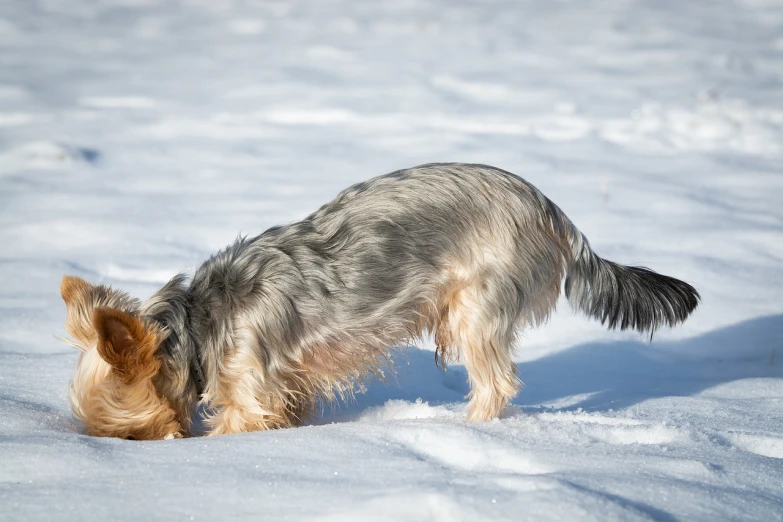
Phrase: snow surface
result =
(137, 137)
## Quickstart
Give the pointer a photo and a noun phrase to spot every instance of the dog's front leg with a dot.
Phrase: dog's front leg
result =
(246, 398)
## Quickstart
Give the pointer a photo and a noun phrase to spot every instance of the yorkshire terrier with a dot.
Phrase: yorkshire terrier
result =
(269, 326)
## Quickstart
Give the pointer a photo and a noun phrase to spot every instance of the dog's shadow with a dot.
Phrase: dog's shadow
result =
(592, 376)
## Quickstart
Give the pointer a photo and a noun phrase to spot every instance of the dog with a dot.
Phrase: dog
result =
(266, 328)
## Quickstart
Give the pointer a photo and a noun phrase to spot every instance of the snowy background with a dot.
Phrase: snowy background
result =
(138, 137)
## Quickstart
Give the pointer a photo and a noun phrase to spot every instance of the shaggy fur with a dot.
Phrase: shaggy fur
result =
(263, 329)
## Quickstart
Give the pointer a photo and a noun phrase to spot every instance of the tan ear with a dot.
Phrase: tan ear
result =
(72, 287)
(126, 343)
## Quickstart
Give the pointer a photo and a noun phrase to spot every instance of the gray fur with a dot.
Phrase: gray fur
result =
(370, 268)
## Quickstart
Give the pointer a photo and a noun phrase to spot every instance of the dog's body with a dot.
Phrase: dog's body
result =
(468, 253)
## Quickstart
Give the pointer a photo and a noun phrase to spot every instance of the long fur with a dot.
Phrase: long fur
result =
(621, 297)
(469, 253)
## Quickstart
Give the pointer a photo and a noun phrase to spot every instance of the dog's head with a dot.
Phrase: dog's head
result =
(113, 391)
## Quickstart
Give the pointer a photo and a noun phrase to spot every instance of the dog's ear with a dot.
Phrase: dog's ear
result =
(72, 287)
(127, 343)
(78, 295)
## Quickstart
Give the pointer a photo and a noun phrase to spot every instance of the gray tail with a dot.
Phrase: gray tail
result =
(622, 296)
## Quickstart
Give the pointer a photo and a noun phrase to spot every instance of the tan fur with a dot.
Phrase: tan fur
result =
(126, 343)
(91, 371)
(81, 299)
(72, 288)
(487, 355)
(248, 398)
(113, 392)
(237, 400)
(126, 404)
(468, 324)
(129, 411)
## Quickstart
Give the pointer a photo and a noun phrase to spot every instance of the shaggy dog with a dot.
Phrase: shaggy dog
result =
(265, 328)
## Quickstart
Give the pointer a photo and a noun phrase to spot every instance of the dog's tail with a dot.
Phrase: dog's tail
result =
(620, 296)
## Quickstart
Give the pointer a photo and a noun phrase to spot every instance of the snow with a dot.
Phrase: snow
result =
(138, 137)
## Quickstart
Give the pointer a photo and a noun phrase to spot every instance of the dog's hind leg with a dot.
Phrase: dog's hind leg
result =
(482, 316)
